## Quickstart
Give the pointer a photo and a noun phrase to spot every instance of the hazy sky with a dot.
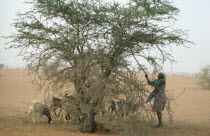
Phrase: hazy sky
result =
(194, 16)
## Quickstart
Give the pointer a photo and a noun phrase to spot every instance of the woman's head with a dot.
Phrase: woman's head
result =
(161, 76)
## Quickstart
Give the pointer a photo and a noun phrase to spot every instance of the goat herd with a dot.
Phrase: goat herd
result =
(69, 110)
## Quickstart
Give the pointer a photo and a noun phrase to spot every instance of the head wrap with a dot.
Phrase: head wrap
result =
(164, 75)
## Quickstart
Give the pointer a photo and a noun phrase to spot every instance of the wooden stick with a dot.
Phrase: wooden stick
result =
(139, 63)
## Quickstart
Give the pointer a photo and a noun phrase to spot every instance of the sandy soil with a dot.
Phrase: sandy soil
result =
(191, 118)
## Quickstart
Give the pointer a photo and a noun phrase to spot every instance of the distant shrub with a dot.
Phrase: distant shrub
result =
(2, 66)
(204, 77)
(30, 66)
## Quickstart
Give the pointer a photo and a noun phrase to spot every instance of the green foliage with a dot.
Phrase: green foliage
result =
(2, 66)
(67, 28)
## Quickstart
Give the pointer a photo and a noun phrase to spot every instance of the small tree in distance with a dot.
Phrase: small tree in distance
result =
(2, 66)
(87, 44)
(30, 66)
(204, 77)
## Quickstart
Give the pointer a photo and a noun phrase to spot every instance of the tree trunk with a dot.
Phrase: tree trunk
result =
(89, 124)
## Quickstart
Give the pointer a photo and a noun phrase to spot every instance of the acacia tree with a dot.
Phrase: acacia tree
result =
(88, 44)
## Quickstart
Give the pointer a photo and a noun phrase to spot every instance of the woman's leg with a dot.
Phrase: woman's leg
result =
(160, 124)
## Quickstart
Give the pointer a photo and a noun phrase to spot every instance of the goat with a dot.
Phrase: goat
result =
(70, 109)
(123, 108)
(109, 106)
(38, 109)
(119, 107)
(55, 103)
(69, 97)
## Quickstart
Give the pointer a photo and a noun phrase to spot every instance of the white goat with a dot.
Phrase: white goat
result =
(38, 109)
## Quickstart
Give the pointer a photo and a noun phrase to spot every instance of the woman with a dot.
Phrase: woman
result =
(159, 95)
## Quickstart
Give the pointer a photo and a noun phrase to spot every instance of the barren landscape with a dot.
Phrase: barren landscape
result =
(191, 111)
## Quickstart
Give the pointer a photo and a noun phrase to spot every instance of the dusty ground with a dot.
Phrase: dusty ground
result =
(191, 118)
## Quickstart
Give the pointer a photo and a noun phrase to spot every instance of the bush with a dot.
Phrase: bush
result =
(204, 77)
(30, 66)
(2, 66)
